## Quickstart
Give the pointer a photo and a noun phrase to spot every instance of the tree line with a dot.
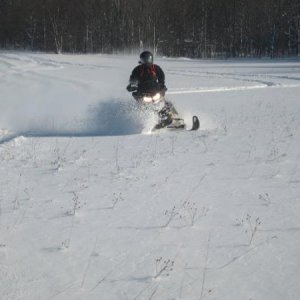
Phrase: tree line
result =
(193, 28)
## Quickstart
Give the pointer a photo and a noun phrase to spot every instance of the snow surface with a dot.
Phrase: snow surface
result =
(94, 207)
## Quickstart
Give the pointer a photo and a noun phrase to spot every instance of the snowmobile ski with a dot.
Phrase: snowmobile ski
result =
(178, 124)
(196, 124)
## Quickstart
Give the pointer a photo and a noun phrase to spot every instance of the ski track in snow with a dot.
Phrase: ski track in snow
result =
(242, 77)
(98, 210)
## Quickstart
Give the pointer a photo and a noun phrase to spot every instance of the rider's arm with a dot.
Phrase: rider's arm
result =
(134, 75)
(160, 76)
(133, 80)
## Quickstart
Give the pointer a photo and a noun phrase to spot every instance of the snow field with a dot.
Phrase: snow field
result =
(90, 210)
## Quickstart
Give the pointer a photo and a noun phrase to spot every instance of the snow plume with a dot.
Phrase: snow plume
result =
(104, 118)
(116, 117)
(42, 117)
(67, 96)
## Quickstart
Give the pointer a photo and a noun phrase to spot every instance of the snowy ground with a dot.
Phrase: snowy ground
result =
(93, 207)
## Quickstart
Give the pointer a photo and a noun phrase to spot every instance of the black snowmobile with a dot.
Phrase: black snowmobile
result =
(154, 99)
(147, 84)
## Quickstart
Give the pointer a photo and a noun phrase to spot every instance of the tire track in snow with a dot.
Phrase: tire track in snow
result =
(197, 90)
(214, 90)
(233, 76)
(16, 66)
(61, 64)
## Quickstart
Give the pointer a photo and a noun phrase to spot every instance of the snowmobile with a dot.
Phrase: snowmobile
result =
(167, 114)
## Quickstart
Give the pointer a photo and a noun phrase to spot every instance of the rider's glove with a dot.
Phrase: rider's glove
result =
(163, 88)
(131, 88)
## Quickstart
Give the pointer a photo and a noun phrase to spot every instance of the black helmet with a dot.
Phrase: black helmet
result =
(146, 57)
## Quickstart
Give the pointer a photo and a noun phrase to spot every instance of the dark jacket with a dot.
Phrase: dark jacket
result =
(146, 78)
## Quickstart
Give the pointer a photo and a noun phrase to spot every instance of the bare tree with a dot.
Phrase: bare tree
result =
(195, 28)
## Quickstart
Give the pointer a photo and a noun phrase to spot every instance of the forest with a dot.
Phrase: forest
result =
(190, 28)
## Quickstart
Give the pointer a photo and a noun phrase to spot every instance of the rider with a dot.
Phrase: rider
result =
(146, 77)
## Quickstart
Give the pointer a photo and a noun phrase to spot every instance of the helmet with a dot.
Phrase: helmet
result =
(146, 57)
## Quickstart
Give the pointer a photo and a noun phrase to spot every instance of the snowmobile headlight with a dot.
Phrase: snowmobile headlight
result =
(147, 99)
(156, 97)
